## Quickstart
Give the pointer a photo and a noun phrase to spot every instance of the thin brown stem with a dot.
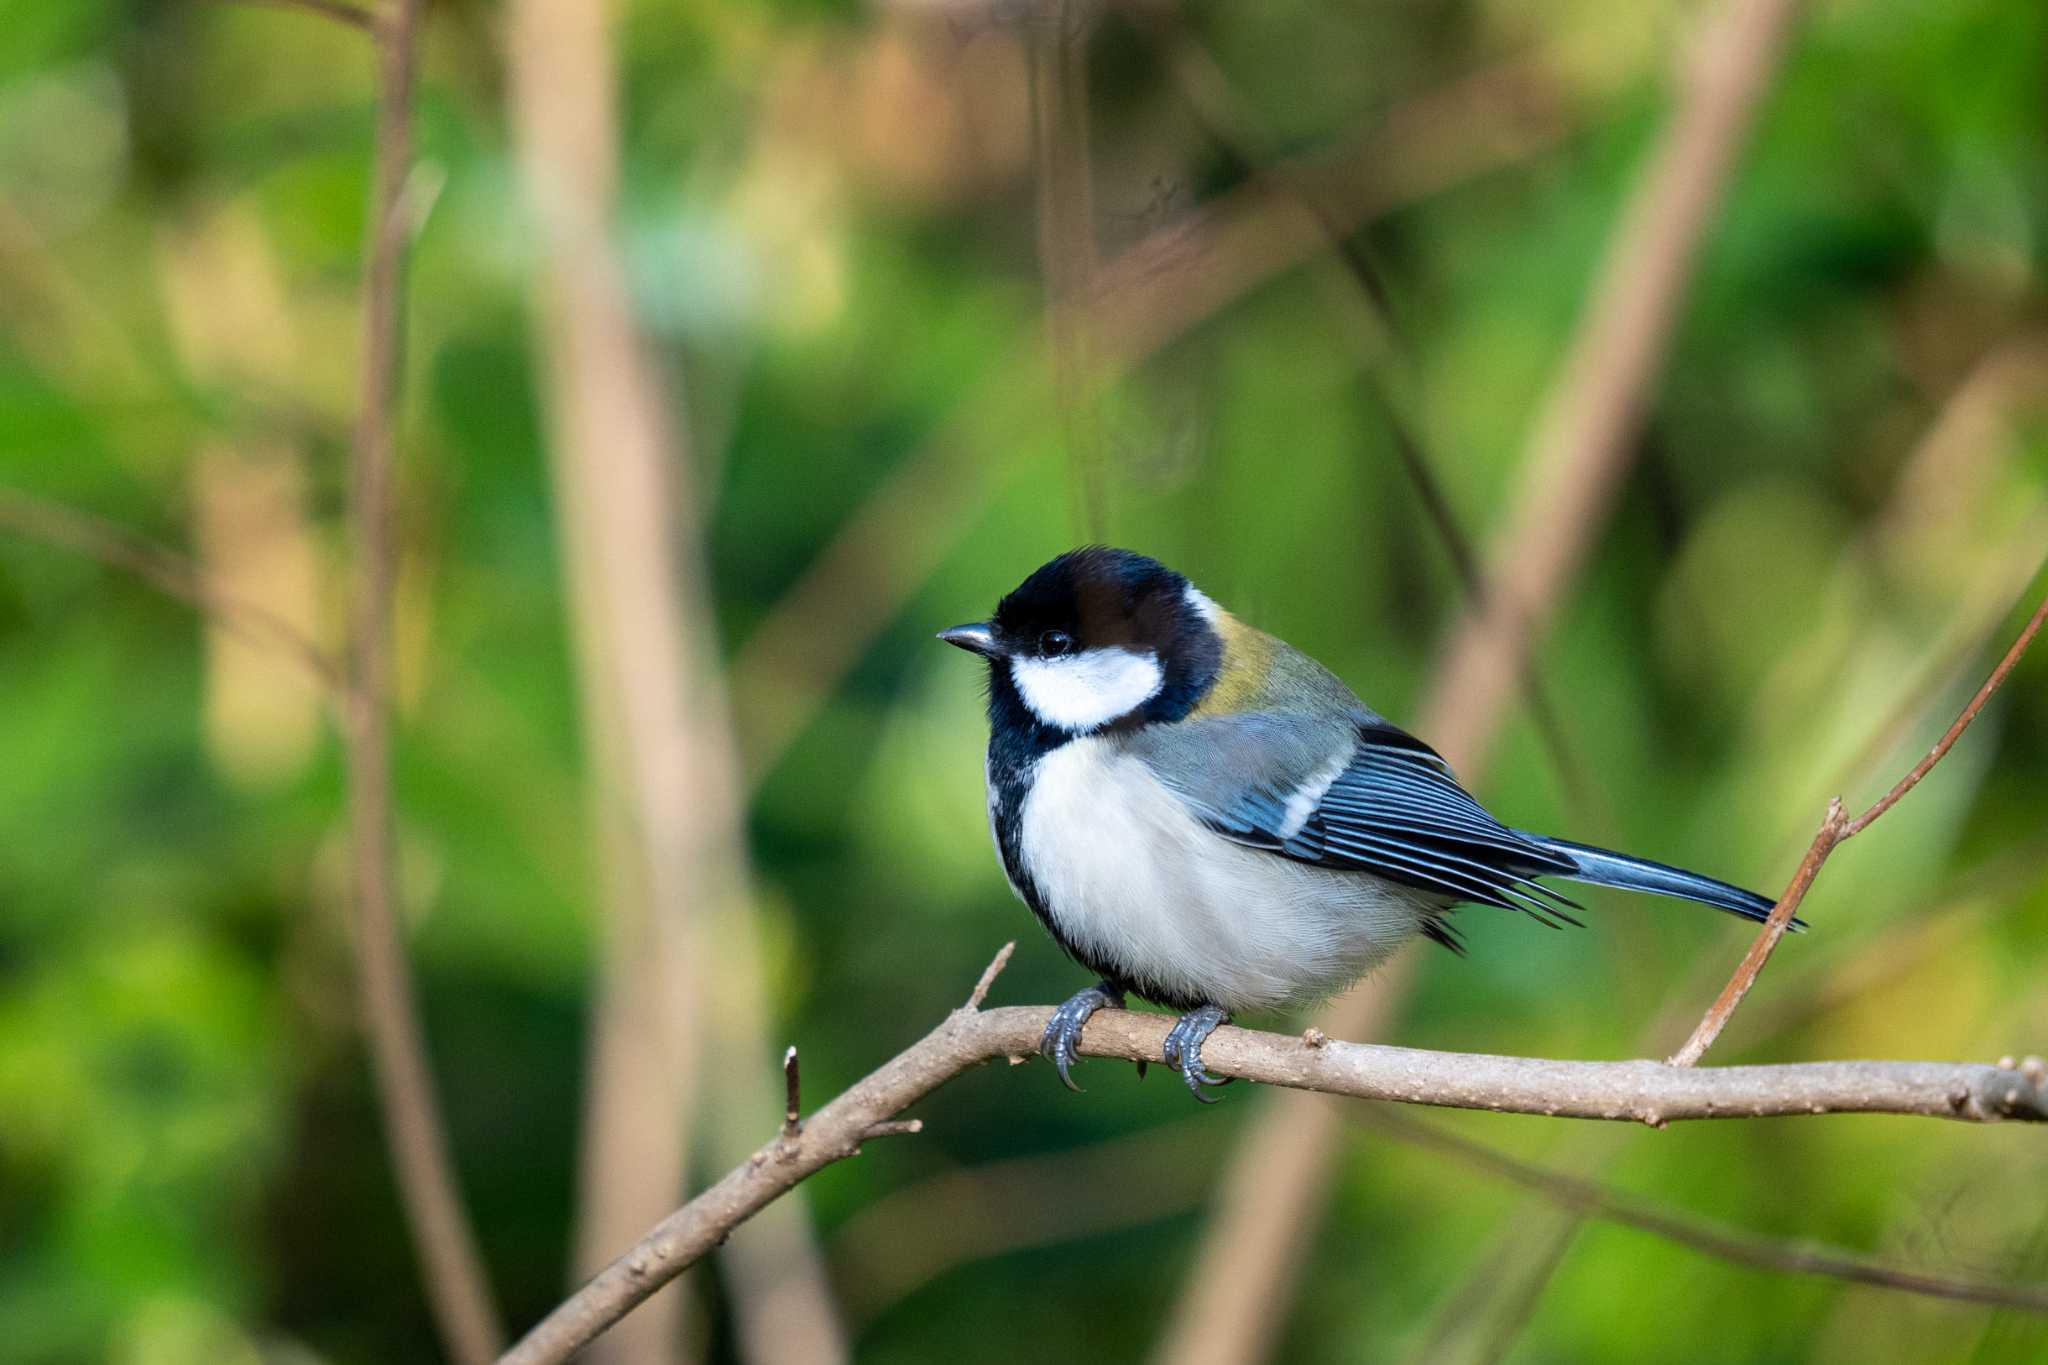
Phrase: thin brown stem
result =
(457, 1287)
(1834, 831)
(1592, 1199)
(792, 1098)
(1955, 730)
(1766, 941)
(989, 975)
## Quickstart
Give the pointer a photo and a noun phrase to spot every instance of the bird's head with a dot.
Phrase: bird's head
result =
(1099, 639)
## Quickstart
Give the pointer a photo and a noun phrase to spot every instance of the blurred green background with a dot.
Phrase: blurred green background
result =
(828, 220)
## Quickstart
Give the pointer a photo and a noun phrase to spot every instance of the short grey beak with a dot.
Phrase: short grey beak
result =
(975, 638)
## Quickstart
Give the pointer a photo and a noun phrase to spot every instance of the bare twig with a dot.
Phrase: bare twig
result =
(1637, 1091)
(989, 975)
(169, 573)
(456, 1284)
(1766, 941)
(1981, 615)
(1955, 730)
(1834, 831)
(1591, 1199)
(792, 1098)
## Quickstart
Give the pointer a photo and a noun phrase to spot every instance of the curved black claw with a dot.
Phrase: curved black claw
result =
(1184, 1048)
(1061, 1042)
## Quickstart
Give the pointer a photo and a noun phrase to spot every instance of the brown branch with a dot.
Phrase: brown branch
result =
(171, 574)
(1955, 730)
(792, 1098)
(1591, 1199)
(1634, 1091)
(989, 975)
(457, 1288)
(1834, 831)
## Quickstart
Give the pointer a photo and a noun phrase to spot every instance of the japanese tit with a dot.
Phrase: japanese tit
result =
(1206, 817)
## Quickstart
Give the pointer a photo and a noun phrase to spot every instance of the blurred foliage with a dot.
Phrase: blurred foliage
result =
(829, 221)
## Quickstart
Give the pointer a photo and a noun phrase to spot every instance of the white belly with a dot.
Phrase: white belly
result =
(1130, 877)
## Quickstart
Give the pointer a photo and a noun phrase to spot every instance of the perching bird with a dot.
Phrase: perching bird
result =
(1208, 818)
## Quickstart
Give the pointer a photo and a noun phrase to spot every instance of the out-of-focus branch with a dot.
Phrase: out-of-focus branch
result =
(354, 16)
(680, 966)
(1232, 1303)
(1638, 1091)
(171, 574)
(1149, 294)
(1232, 122)
(1188, 270)
(1057, 38)
(1583, 440)
(660, 857)
(457, 1286)
(970, 1213)
(1836, 830)
(1591, 1199)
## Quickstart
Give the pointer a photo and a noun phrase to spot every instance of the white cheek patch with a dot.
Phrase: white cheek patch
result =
(1204, 605)
(1088, 690)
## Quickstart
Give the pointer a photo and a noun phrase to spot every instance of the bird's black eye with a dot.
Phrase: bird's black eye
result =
(1054, 643)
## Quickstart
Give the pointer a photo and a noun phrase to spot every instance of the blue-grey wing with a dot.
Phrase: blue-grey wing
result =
(1353, 793)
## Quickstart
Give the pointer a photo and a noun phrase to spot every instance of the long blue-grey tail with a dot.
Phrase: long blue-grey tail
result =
(1603, 868)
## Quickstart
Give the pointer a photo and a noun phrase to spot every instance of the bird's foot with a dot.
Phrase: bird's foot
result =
(1184, 1048)
(1061, 1043)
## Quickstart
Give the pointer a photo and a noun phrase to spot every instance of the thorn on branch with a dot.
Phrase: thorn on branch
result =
(893, 1128)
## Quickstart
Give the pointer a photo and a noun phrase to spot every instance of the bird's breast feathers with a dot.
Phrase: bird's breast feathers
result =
(1136, 884)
